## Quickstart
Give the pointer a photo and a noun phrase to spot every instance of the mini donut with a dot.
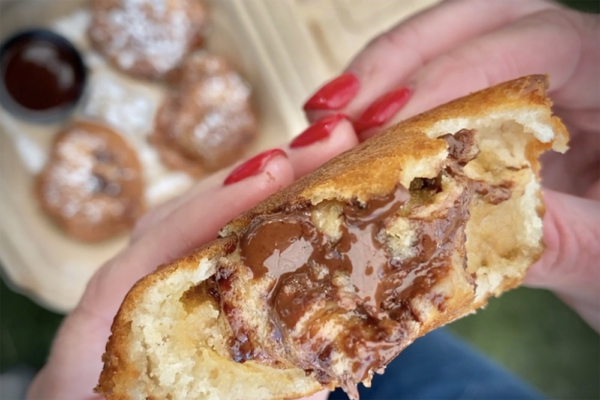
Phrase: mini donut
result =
(147, 38)
(92, 185)
(196, 67)
(206, 122)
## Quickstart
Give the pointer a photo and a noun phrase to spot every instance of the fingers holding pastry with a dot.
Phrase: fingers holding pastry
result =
(81, 340)
(167, 233)
(187, 226)
(569, 266)
(325, 282)
(389, 59)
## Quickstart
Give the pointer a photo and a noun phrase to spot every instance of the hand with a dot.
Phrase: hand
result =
(165, 234)
(461, 46)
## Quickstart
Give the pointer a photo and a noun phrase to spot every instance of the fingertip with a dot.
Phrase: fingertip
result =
(318, 132)
(533, 277)
(253, 166)
(335, 94)
(333, 97)
(276, 174)
(330, 136)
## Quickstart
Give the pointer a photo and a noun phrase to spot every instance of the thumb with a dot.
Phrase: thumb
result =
(570, 266)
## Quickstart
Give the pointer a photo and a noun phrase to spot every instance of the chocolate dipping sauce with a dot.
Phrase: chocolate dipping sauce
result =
(42, 74)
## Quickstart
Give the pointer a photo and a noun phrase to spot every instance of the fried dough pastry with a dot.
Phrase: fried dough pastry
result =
(147, 38)
(325, 282)
(206, 123)
(92, 186)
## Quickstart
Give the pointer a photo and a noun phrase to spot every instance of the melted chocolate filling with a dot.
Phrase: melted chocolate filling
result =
(356, 281)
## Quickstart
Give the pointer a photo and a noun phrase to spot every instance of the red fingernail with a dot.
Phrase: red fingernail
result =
(253, 166)
(318, 131)
(335, 94)
(382, 109)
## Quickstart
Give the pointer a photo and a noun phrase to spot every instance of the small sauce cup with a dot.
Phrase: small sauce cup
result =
(42, 76)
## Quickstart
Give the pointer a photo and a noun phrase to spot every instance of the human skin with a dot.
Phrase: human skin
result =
(445, 52)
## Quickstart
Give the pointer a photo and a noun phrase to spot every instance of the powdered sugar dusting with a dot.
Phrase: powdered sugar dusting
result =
(158, 33)
(206, 123)
(70, 174)
(228, 89)
(92, 184)
(128, 110)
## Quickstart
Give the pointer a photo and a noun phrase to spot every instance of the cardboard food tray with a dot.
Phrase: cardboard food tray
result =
(284, 48)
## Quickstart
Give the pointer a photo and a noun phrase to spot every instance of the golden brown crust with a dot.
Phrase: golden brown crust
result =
(371, 169)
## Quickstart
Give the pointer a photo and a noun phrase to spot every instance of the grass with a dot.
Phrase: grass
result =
(26, 330)
(534, 334)
(590, 6)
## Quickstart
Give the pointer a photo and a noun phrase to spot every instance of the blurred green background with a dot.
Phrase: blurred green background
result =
(531, 332)
(582, 5)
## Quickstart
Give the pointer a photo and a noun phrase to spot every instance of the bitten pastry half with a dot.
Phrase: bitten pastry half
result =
(325, 282)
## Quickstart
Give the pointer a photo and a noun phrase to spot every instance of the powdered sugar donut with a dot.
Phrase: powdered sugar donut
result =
(92, 185)
(147, 38)
(207, 122)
